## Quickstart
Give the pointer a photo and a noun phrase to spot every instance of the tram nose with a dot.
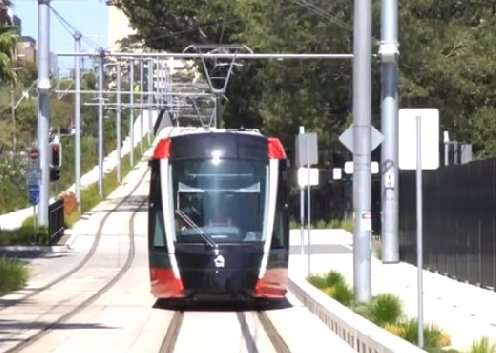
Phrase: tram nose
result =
(222, 272)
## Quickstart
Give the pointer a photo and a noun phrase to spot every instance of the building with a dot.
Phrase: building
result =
(26, 51)
(118, 26)
(17, 24)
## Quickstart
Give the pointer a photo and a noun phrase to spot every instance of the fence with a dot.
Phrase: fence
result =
(55, 221)
(459, 221)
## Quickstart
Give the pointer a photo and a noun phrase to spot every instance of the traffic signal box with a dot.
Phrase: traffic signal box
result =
(55, 160)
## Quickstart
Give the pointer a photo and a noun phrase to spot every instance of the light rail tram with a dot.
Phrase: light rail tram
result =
(218, 215)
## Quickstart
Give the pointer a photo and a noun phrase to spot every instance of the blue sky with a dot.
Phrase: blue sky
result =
(88, 16)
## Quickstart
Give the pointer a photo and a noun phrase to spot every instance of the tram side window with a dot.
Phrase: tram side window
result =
(156, 210)
(159, 232)
(278, 235)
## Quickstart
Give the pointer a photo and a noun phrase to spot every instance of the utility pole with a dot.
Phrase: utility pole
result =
(131, 113)
(389, 125)
(77, 117)
(118, 113)
(362, 28)
(13, 109)
(141, 103)
(43, 106)
(150, 98)
(100, 122)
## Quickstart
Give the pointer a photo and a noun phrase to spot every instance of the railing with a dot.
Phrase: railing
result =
(55, 221)
(459, 214)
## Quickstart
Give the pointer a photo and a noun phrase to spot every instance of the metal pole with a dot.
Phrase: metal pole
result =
(100, 124)
(446, 148)
(389, 127)
(302, 208)
(419, 238)
(43, 106)
(77, 119)
(150, 99)
(141, 101)
(361, 148)
(131, 113)
(13, 108)
(218, 55)
(308, 209)
(218, 121)
(118, 123)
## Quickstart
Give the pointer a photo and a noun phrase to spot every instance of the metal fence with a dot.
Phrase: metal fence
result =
(55, 221)
(459, 221)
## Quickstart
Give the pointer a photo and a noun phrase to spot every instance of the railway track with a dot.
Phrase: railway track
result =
(250, 339)
(90, 254)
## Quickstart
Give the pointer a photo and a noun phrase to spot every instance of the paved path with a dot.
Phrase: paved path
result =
(464, 311)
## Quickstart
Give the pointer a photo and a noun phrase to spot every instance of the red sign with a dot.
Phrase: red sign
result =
(34, 153)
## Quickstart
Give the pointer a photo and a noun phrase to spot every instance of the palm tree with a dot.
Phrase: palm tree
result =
(8, 44)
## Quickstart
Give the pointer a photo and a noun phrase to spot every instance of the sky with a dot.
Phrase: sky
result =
(88, 16)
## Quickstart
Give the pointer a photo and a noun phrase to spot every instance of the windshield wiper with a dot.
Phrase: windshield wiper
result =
(207, 238)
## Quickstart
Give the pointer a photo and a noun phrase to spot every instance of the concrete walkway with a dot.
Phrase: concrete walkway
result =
(464, 311)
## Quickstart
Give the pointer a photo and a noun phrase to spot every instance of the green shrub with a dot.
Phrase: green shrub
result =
(318, 281)
(343, 294)
(348, 225)
(14, 275)
(483, 345)
(24, 235)
(434, 338)
(334, 278)
(385, 309)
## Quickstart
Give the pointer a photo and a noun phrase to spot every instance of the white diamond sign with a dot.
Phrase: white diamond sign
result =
(346, 138)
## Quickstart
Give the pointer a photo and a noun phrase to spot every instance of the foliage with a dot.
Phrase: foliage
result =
(434, 337)
(333, 284)
(14, 275)
(385, 309)
(483, 345)
(446, 62)
(8, 42)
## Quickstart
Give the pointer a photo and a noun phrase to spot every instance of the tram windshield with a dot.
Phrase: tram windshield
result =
(223, 199)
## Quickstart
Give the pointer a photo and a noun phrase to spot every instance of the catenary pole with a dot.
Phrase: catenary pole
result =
(118, 117)
(100, 123)
(43, 105)
(141, 101)
(77, 118)
(362, 24)
(389, 127)
(150, 72)
(131, 113)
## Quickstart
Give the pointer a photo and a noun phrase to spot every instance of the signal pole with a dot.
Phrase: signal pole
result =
(77, 118)
(389, 125)
(43, 106)
(362, 53)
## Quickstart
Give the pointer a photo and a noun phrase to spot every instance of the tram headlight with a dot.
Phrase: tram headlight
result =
(216, 154)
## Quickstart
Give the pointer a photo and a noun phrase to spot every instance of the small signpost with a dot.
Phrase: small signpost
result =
(306, 155)
(418, 136)
(33, 176)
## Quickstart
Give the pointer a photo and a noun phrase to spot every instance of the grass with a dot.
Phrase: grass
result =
(384, 310)
(24, 235)
(14, 275)
(483, 345)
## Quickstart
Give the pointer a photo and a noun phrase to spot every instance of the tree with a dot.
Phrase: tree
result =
(446, 61)
(8, 43)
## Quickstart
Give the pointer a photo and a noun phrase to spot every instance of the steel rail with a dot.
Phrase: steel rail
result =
(170, 338)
